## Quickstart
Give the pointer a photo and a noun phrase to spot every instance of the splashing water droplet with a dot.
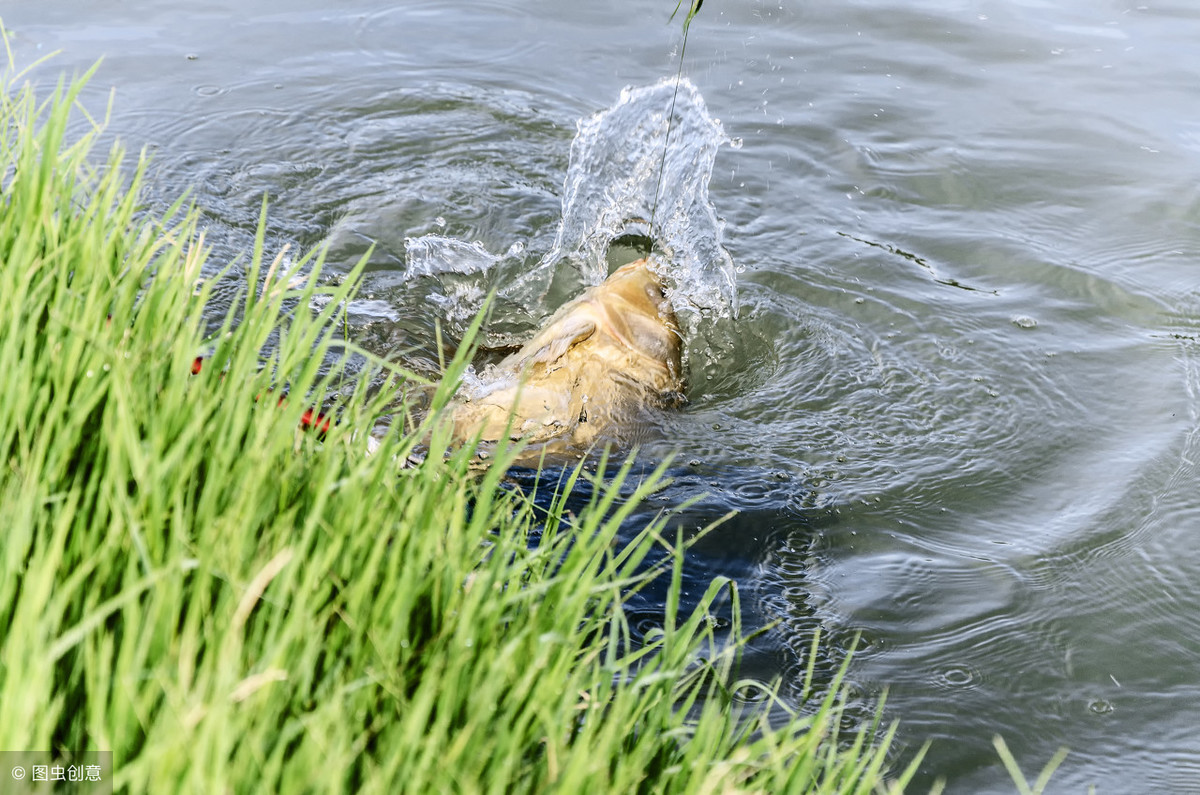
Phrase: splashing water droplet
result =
(431, 255)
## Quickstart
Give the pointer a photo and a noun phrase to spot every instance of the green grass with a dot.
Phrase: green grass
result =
(231, 604)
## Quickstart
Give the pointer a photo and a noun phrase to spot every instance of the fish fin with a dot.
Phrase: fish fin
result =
(572, 332)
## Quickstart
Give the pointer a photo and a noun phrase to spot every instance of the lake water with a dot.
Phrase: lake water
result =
(960, 404)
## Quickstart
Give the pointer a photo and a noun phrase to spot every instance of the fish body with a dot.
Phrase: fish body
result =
(600, 361)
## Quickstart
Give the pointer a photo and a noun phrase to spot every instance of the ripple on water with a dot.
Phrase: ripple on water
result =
(875, 387)
(957, 676)
(414, 34)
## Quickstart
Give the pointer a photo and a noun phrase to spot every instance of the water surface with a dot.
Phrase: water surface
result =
(960, 404)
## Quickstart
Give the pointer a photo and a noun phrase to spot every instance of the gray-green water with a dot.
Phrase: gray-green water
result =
(965, 237)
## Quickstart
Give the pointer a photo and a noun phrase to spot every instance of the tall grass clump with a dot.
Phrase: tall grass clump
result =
(229, 603)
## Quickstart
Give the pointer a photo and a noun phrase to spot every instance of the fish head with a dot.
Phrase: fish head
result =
(598, 363)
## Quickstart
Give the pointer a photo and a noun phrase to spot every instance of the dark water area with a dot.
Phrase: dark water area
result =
(729, 523)
(964, 238)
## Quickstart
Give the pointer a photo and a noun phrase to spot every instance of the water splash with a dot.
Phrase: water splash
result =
(612, 179)
(616, 160)
(434, 255)
(465, 273)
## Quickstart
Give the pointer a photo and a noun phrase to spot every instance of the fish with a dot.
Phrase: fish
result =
(588, 377)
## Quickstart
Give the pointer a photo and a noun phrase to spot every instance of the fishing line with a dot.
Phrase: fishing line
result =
(662, 164)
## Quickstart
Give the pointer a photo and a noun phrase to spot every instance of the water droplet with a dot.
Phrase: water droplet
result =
(1023, 321)
(735, 143)
(1100, 707)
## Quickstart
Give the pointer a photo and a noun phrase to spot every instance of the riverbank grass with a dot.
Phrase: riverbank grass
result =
(231, 603)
